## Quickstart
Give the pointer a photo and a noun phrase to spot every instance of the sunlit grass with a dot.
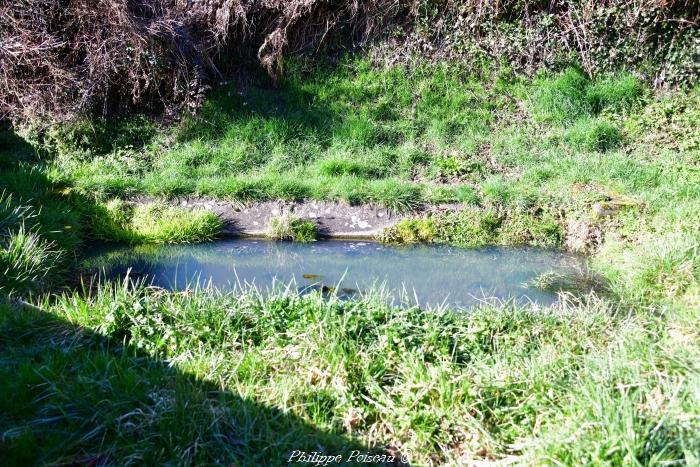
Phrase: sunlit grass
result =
(289, 227)
(372, 375)
(129, 373)
(155, 222)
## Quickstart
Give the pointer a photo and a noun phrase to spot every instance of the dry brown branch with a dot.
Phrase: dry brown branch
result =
(61, 57)
(58, 58)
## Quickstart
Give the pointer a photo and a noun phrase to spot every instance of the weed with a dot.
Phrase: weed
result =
(460, 193)
(410, 231)
(453, 166)
(478, 227)
(86, 138)
(525, 229)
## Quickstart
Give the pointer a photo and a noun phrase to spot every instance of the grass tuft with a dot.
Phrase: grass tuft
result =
(27, 262)
(593, 134)
(123, 221)
(561, 99)
(289, 227)
(397, 196)
(617, 93)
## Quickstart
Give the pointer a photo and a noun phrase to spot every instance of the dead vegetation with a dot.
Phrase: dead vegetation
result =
(62, 57)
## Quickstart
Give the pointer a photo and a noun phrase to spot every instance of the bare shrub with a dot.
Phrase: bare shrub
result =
(60, 57)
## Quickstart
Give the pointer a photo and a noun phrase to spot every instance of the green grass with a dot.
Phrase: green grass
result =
(133, 374)
(593, 135)
(355, 133)
(32, 255)
(156, 222)
(45, 222)
(571, 95)
(27, 261)
(475, 228)
(402, 137)
(562, 99)
(252, 378)
(290, 227)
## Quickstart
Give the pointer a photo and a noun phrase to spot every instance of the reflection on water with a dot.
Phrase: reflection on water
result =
(427, 275)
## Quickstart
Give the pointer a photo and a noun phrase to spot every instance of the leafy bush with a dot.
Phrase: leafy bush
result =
(672, 121)
(657, 39)
(90, 137)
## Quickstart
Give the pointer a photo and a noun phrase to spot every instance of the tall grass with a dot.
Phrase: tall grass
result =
(289, 227)
(123, 372)
(118, 220)
(27, 260)
(570, 95)
(582, 383)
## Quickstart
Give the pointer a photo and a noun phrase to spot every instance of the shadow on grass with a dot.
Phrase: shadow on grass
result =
(260, 113)
(23, 177)
(70, 396)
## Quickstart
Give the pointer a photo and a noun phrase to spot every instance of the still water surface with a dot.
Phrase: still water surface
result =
(427, 275)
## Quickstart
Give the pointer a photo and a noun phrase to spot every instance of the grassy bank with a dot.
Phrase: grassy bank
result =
(404, 136)
(399, 136)
(131, 373)
(127, 373)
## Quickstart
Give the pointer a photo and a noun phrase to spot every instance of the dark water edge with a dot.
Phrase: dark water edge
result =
(424, 275)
